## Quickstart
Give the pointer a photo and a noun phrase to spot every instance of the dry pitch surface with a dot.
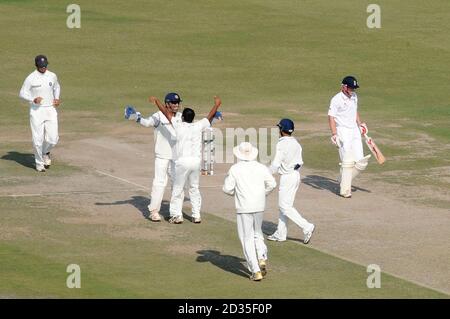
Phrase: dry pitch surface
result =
(376, 226)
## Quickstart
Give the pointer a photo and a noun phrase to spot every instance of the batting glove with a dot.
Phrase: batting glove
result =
(363, 128)
(335, 140)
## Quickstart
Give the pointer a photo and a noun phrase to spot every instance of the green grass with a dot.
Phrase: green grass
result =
(261, 57)
(190, 261)
(17, 161)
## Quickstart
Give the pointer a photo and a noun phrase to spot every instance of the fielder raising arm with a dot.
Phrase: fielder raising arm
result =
(168, 114)
(161, 107)
(212, 113)
(163, 147)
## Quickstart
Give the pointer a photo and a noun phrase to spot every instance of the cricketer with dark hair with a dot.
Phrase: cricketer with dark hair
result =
(187, 157)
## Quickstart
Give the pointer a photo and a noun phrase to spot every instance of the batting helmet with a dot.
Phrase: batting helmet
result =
(172, 97)
(286, 125)
(41, 61)
(351, 82)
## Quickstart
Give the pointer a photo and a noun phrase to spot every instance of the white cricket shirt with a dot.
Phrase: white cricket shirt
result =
(344, 109)
(288, 155)
(164, 133)
(189, 138)
(249, 182)
(43, 85)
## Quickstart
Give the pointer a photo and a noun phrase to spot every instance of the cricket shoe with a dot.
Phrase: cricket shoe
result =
(196, 220)
(47, 160)
(176, 220)
(273, 237)
(308, 235)
(346, 193)
(40, 168)
(154, 216)
(257, 276)
(263, 267)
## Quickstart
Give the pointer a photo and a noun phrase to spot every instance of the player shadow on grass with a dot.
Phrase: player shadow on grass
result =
(141, 203)
(228, 263)
(332, 185)
(24, 159)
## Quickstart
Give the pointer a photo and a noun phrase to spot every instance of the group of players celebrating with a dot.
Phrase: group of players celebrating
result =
(178, 156)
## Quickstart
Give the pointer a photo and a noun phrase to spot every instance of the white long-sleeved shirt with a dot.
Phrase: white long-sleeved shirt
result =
(249, 182)
(288, 155)
(344, 110)
(189, 138)
(164, 133)
(43, 85)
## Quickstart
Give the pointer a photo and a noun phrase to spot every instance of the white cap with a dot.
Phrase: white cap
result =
(245, 151)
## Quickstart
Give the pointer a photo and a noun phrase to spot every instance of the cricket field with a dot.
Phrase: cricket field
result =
(267, 60)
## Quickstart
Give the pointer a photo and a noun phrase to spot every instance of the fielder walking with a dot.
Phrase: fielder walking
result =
(42, 90)
(250, 182)
(287, 162)
(346, 130)
(187, 158)
(164, 143)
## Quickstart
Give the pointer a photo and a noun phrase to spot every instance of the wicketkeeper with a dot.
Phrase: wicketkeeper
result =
(346, 130)
(164, 164)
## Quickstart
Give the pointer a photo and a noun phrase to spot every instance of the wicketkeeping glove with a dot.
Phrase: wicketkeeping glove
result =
(131, 114)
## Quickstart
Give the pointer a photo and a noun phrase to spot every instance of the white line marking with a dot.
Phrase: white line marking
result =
(93, 192)
(68, 193)
(143, 187)
(123, 180)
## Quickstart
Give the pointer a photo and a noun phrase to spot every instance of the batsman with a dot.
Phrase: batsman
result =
(346, 130)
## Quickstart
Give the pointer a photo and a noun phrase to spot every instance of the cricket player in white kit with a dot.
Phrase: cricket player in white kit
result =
(346, 130)
(187, 158)
(42, 90)
(250, 182)
(164, 143)
(287, 162)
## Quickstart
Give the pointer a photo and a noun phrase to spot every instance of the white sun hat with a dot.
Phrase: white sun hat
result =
(245, 151)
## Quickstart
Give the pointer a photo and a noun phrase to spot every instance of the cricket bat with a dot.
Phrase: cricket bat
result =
(375, 150)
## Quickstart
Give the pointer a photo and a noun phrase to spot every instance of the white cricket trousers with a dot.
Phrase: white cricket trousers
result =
(163, 170)
(44, 131)
(249, 226)
(187, 169)
(289, 184)
(351, 139)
